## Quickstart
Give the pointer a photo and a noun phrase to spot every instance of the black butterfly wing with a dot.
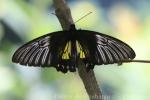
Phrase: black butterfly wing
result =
(55, 50)
(43, 51)
(103, 49)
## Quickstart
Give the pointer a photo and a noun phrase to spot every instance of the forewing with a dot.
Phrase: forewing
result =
(111, 50)
(104, 49)
(43, 51)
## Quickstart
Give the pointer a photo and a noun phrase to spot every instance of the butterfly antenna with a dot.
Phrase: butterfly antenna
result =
(83, 17)
(139, 61)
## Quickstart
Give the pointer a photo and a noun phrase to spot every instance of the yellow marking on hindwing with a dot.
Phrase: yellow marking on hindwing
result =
(79, 50)
(67, 51)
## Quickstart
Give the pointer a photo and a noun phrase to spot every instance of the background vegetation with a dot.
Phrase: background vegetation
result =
(24, 20)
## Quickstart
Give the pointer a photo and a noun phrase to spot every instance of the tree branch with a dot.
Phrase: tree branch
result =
(139, 61)
(64, 15)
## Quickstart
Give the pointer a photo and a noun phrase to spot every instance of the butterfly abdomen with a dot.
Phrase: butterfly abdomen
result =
(74, 55)
(72, 38)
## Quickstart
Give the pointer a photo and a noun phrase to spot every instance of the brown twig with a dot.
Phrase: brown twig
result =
(64, 15)
(139, 61)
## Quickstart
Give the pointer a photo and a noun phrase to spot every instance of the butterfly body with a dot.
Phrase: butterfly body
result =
(63, 49)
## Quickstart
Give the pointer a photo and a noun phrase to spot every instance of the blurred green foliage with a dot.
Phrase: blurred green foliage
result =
(24, 20)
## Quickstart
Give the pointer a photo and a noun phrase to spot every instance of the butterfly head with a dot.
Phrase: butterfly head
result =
(72, 27)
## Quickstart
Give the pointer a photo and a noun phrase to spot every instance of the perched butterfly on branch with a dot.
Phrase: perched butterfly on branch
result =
(63, 49)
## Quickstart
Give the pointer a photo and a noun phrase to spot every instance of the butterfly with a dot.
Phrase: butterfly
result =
(63, 49)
